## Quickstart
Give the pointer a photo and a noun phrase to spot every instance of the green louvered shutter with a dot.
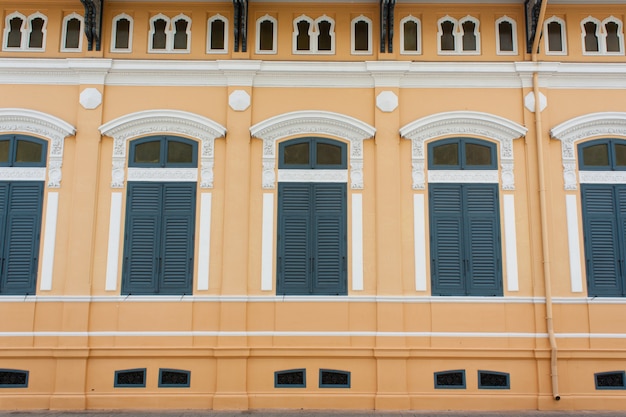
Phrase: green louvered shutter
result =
(21, 215)
(178, 225)
(142, 239)
(604, 231)
(294, 239)
(329, 239)
(446, 234)
(482, 223)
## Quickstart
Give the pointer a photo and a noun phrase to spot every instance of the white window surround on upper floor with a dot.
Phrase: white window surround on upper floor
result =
(313, 35)
(588, 126)
(458, 33)
(563, 37)
(114, 33)
(170, 33)
(353, 35)
(153, 122)
(55, 130)
(601, 36)
(26, 31)
(274, 22)
(513, 23)
(209, 40)
(403, 35)
(463, 123)
(316, 123)
(66, 21)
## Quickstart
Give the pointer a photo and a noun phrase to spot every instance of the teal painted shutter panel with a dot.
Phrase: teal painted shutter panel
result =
(482, 223)
(329, 234)
(294, 239)
(22, 215)
(602, 244)
(142, 240)
(447, 245)
(179, 204)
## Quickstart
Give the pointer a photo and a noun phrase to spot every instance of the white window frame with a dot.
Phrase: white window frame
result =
(274, 49)
(513, 23)
(66, 21)
(212, 19)
(7, 30)
(411, 18)
(459, 44)
(25, 30)
(361, 18)
(583, 34)
(547, 36)
(324, 18)
(169, 34)
(620, 34)
(455, 34)
(312, 36)
(173, 22)
(131, 21)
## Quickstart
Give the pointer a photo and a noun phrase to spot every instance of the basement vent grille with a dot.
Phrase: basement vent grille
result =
(450, 379)
(610, 380)
(11, 378)
(294, 378)
(334, 379)
(130, 378)
(493, 380)
(174, 378)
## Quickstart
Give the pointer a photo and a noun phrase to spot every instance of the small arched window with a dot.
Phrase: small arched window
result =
(462, 153)
(302, 33)
(217, 33)
(312, 153)
(163, 152)
(555, 40)
(410, 36)
(14, 30)
(182, 33)
(266, 29)
(36, 38)
(122, 33)
(25, 33)
(614, 36)
(72, 40)
(325, 35)
(170, 35)
(506, 39)
(446, 38)
(602, 38)
(361, 36)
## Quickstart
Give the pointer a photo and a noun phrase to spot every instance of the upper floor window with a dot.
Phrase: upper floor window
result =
(217, 35)
(459, 37)
(72, 40)
(313, 36)
(312, 153)
(122, 33)
(603, 155)
(410, 36)
(25, 33)
(506, 38)
(170, 35)
(163, 152)
(555, 40)
(361, 36)
(462, 154)
(266, 30)
(602, 38)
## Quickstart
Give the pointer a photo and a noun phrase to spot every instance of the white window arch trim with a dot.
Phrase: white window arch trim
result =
(66, 21)
(210, 34)
(459, 45)
(29, 30)
(546, 36)
(418, 22)
(361, 18)
(463, 123)
(173, 22)
(7, 30)
(620, 34)
(153, 122)
(131, 23)
(274, 21)
(455, 34)
(578, 129)
(31, 122)
(312, 123)
(317, 22)
(167, 30)
(599, 36)
(311, 33)
(513, 23)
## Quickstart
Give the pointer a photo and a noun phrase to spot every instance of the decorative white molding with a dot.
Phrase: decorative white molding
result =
(239, 100)
(530, 102)
(90, 98)
(462, 123)
(602, 124)
(602, 177)
(387, 101)
(44, 125)
(312, 123)
(163, 174)
(22, 174)
(152, 122)
(463, 176)
(313, 175)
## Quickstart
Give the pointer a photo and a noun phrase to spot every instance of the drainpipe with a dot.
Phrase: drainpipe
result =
(544, 212)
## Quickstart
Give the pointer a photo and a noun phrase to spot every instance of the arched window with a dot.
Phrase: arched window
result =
(471, 35)
(325, 34)
(555, 40)
(266, 30)
(170, 35)
(160, 219)
(21, 205)
(217, 32)
(72, 40)
(604, 217)
(464, 220)
(506, 38)
(312, 220)
(602, 38)
(182, 33)
(459, 37)
(446, 38)
(302, 33)
(361, 36)
(14, 31)
(122, 33)
(410, 36)
(25, 33)
(37, 35)
(614, 36)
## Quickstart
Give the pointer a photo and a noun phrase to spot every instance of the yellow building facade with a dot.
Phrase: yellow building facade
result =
(343, 205)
